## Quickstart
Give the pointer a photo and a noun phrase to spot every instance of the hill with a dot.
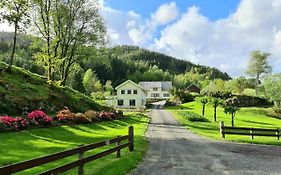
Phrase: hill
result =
(117, 64)
(22, 91)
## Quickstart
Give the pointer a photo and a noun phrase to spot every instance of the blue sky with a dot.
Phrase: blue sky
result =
(216, 33)
(213, 9)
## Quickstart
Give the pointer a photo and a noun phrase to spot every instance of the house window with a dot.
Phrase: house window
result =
(154, 89)
(120, 102)
(132, 102)
(122, 91)
(166, 95)
(155, 95)
(129, 92)
(135, 91)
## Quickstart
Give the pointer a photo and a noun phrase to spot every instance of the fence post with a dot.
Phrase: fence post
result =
(81, 167)
(131, 138)
(252, 133)
(278, 133)
(119, 150)
(222, 129)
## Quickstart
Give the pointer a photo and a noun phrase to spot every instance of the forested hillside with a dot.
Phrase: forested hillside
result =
(116, 64)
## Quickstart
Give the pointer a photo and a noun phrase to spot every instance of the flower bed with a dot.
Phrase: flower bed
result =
(38, 118)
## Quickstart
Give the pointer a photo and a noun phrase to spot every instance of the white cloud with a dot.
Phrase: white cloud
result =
(142, 33)
(225, 43)
(165, 13)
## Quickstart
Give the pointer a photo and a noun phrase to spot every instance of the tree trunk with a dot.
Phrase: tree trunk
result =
(215, 113)
(14, 47)
(257, 85)
(203, 110)
(232, 120)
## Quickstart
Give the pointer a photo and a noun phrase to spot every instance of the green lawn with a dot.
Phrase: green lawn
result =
(20, 146)
(246, 117)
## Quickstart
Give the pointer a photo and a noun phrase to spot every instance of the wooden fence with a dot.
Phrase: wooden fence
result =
(17, 167)
(248, 131)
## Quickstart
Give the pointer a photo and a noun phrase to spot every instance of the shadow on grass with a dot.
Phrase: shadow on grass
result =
(261, 123)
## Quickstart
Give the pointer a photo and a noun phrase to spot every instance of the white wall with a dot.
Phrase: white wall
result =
(139, 97)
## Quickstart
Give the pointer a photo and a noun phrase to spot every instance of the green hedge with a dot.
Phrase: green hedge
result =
(193, 117)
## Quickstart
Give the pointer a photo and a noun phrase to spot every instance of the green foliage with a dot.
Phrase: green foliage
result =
(23, 91)
(231, 110)
(193, 117)
(203, 100)
(182, 95)
(66, 26)
(258, 65)
(237, 85)
(15, 12)
(108, 87)
(216, 88)
(248, 101)
(272, 86)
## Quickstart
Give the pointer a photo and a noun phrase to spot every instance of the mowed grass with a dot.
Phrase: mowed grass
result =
(21, 146)
(246, 117)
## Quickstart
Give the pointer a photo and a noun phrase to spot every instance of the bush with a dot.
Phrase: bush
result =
(193, 117)
(248, 101)
(106, 115)
(81, 118)
(119, 113)
(38, 117)
(65, 115)
(8, 123)
(93, 115)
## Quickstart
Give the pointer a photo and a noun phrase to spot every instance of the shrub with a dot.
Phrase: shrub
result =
(247, 101)
(106, 115)
(38, 117)
(193, 117)
(10, 124)
(119, 113)
(65, 115)
(92, 115)
(81, 118)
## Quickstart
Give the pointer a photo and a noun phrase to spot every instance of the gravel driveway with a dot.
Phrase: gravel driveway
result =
(175, 150)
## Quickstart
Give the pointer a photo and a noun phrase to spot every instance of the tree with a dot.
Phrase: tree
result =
(257, 66)
(89, 81)
(272, 86)
(15, 12)
(203, 101)
(67, 26)
(215, 102)
(231, 110)
(108, 87)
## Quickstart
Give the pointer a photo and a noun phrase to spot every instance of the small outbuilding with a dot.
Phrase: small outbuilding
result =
(193, 88)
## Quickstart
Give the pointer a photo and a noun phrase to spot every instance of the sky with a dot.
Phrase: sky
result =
(216, 33)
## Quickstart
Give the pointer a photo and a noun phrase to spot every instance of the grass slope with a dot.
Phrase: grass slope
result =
(21, 90)
(246, 117)
(30, 144)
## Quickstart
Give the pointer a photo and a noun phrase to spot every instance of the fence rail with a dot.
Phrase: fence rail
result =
(21, 166)
(248, 131)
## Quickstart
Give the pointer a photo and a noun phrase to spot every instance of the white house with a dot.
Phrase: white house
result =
(157, 89)
(129, 95)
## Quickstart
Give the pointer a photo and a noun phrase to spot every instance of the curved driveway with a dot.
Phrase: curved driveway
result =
(173, 150)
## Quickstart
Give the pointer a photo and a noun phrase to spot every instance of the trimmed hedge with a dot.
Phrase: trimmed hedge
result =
(248, 101)
(193, 117)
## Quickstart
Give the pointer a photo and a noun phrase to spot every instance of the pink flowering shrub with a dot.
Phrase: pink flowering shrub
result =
(106, 115)
(9, 123)
(38, 117)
